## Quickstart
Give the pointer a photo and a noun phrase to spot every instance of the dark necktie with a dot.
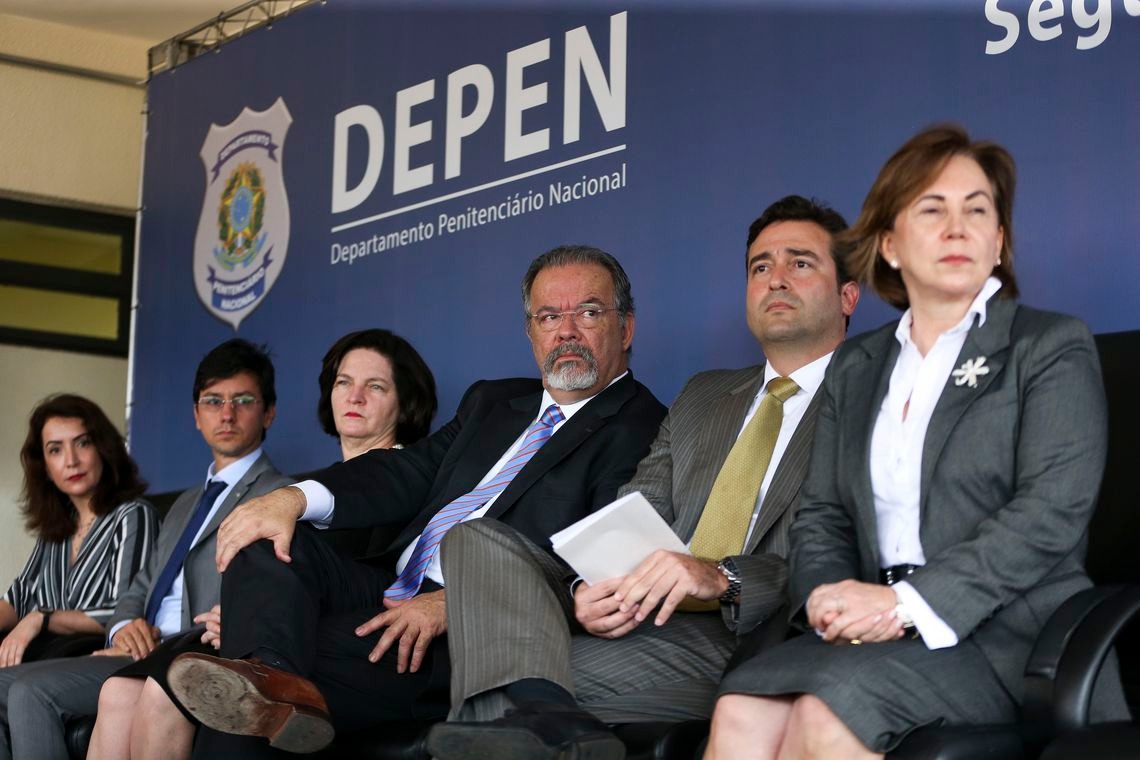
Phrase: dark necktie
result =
(410, 580)
(182, 548)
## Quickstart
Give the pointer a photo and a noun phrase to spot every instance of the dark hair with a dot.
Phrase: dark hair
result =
(567, 255)
(47, 510)
(906, 174)
(415, 385)
(796, 208)
(234, 356)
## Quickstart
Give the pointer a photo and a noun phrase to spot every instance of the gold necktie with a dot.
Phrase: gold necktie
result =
(728, 511)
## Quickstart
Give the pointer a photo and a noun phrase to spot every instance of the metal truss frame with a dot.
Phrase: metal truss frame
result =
(209, 36)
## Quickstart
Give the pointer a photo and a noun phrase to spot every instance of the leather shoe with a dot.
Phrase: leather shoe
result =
(533, 731)
(251, 698)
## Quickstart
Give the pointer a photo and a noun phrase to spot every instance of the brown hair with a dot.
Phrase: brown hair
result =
(47, 510)
(906, 174)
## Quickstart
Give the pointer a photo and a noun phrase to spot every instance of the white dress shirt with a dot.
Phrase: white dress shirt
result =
(319, 501)
(169, 617)
(808, 377)
(916, 384)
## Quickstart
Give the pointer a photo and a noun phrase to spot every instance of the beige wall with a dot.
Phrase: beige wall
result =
(70, 140)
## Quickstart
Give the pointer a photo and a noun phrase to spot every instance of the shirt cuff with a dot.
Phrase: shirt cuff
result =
(933, 629)
(319, 503)
(114, 629)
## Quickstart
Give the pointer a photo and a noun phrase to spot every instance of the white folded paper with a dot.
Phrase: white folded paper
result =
(615, 539)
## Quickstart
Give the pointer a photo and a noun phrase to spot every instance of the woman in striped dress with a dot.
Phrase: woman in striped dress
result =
(93, 533)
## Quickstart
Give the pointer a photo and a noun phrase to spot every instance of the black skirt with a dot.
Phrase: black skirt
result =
(158, 662)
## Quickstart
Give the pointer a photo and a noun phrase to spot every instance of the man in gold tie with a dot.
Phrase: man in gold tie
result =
(725, 472)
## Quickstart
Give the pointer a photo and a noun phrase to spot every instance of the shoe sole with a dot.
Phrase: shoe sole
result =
(453, 742)
(228, 702)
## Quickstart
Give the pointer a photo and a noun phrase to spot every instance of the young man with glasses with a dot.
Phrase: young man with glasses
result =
(234, 405)
(348, 645)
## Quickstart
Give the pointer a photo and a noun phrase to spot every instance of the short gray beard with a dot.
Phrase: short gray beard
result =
(571, 376)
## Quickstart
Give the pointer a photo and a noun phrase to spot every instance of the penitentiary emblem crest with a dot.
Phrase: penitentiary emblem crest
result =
(243, 230)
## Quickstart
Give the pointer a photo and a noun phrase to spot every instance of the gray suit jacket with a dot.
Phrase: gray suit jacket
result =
(1010, 473)
(678, 473)
(202, 583)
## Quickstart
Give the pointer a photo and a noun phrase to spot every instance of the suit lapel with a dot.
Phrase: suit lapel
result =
(585, 422)
(236, 494)
(990, 341)
(865, 391)
(504, 423)
(716, 434)
(732, 406)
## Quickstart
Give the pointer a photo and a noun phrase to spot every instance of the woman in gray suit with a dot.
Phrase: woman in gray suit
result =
(957, 458)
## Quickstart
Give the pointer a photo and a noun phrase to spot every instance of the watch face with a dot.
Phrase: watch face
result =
(728, 567)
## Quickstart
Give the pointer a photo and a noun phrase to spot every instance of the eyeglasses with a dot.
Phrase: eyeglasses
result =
(217, 403)
(586, 317)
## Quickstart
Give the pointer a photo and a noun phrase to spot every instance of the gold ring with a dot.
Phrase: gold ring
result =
(856, 642)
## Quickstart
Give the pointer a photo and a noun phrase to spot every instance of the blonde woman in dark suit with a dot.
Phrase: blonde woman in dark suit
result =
(957, 458)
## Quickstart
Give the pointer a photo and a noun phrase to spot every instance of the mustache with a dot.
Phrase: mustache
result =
(569, 347)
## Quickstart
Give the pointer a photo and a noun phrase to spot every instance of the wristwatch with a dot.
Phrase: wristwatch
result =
(46, 612)
(727, 567)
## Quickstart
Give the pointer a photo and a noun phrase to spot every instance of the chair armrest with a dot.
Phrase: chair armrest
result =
(1070, 651)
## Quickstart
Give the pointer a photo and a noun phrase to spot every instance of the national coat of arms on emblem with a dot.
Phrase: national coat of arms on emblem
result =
(243, 230)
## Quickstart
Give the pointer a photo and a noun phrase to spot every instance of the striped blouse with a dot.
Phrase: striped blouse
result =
(117, 545)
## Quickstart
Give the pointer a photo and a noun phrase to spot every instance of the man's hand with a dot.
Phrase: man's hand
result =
(598, 610)
(213, 620)
(414, 623)
(666, 578)
(17, 640)
(110, 652)
(273, 516)
(136, 639)
(852, 610)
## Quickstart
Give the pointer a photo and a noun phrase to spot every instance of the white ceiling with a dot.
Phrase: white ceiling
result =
(151, 20)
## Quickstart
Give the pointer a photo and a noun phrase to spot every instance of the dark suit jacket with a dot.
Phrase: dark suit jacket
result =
(577, 471)
(1010, 471)
(201, 583)
(682, 466)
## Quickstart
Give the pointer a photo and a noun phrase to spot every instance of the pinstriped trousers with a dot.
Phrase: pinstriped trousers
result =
(510, 616)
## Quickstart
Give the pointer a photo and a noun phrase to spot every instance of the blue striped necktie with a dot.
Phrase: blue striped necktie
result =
(174, 565)
(410, 580)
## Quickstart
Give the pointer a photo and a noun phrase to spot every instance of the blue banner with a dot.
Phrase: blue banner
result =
(413, 158)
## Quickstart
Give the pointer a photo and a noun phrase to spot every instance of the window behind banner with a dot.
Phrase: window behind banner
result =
(65, 278)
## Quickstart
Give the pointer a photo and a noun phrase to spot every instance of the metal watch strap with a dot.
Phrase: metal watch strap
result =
(727, 567)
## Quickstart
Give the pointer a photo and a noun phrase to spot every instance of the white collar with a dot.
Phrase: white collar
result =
(977, 308)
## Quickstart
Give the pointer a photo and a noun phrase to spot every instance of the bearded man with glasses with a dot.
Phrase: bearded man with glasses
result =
(336, 645)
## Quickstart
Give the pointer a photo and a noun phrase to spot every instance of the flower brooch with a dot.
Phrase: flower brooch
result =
(969, 372)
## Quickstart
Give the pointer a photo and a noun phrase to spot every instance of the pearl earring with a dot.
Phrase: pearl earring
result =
(894, 264)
